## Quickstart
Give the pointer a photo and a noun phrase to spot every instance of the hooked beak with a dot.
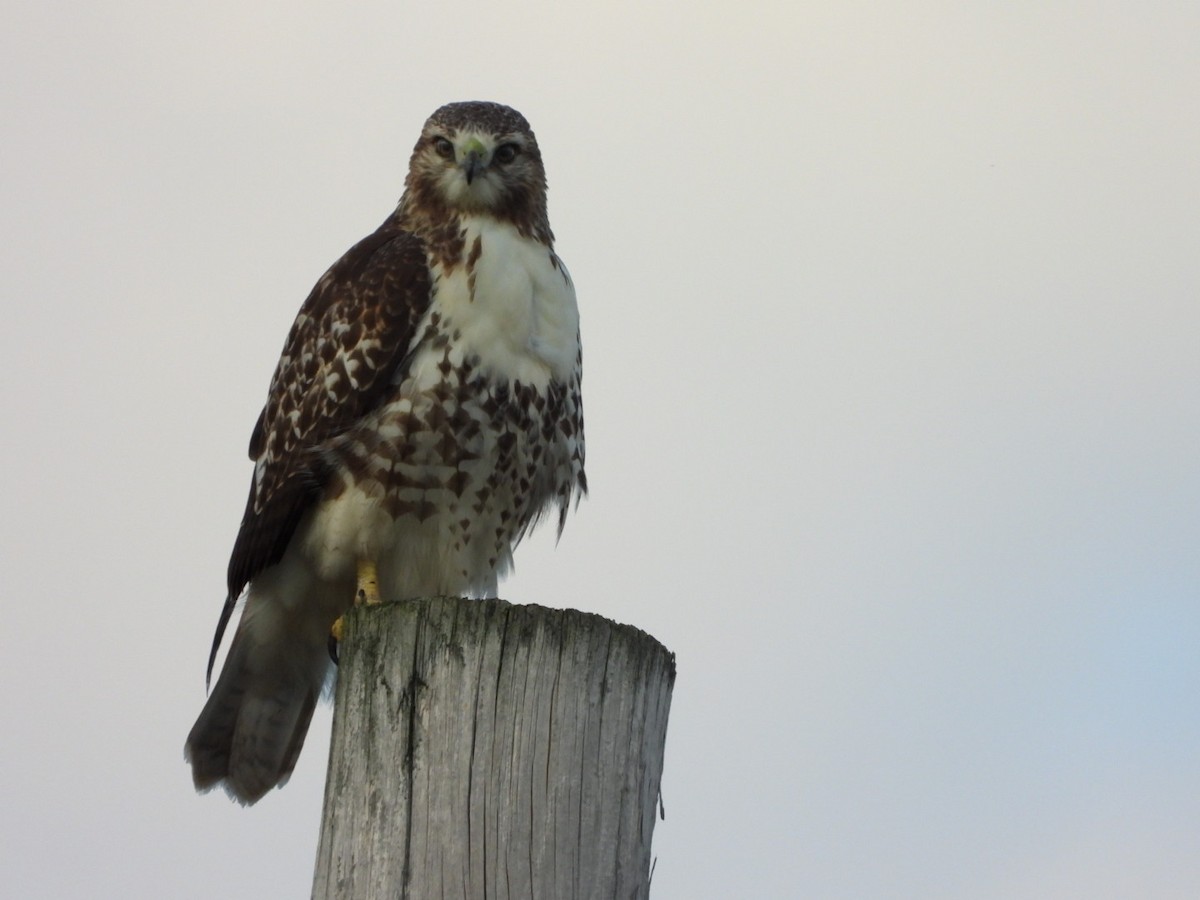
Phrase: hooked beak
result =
(472, 160)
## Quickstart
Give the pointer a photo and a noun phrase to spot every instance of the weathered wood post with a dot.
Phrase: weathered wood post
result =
(482, 749)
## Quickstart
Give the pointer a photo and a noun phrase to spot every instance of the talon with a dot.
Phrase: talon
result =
(333, 642)
(368, 584)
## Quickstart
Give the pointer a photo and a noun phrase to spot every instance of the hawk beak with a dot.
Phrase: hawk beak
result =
(472, 164)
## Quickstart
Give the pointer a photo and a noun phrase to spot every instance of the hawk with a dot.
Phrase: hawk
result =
(424, 414)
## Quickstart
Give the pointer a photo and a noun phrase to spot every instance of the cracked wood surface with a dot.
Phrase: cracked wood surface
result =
(482, 749)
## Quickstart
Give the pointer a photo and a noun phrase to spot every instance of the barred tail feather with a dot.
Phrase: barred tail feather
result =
(250, 732)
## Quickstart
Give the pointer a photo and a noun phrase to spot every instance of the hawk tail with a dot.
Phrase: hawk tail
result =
(250, 732)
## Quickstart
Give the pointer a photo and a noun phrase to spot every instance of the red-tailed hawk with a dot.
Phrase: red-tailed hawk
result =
(424, 414)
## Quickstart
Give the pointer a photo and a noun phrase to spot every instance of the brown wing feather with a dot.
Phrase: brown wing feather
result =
(348, 340)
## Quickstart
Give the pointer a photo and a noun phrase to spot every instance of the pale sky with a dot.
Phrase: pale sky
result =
(891, 322)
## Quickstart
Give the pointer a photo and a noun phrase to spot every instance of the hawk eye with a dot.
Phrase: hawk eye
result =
(506, 153)
(444, 148)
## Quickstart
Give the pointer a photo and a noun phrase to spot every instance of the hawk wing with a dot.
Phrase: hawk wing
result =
(351, 336)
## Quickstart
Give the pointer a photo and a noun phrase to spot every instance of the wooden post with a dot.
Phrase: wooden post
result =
(482, 749)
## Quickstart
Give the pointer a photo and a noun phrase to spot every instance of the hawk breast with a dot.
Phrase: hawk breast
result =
(512, 305)
(482, 432)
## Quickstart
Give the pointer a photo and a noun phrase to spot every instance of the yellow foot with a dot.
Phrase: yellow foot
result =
(368, 584)
(367, 595)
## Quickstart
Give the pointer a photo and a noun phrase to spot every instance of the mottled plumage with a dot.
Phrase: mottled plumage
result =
(423, 415)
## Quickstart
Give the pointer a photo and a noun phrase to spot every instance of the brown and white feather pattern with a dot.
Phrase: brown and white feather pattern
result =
(425, 413)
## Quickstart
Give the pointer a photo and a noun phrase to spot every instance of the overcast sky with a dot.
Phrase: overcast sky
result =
(891, 316)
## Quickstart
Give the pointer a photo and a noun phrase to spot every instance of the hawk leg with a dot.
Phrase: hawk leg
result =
(366, 595)
(368, 584)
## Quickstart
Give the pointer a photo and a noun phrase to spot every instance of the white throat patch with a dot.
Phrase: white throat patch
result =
(513, 304)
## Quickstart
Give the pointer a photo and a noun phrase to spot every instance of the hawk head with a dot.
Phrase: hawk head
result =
(478, 158)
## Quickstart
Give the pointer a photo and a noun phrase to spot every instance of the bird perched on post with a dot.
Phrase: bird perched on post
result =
(424, 414)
